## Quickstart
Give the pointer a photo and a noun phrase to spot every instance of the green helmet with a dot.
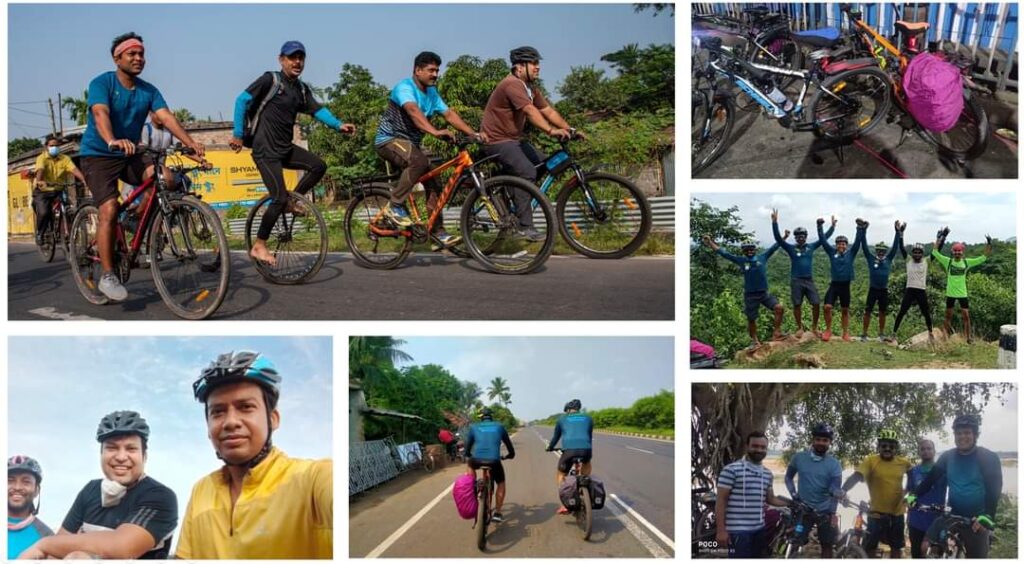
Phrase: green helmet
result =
(881, 247)
(888, 435)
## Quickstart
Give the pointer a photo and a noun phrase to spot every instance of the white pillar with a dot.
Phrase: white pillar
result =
(1007, 347)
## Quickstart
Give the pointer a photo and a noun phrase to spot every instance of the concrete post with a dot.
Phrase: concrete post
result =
(1007, 347)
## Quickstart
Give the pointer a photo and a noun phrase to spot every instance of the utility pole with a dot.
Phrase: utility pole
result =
(60, 114)
(53, 121)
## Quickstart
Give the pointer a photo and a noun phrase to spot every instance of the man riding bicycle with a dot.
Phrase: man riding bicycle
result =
(483, 446)
(956, 269)
(841, 269)
(974, 477)
(518, 98)
(126, 515)
(576, 431)
(52, 169)
(261, 503)
(271, 104)
(879, 267)
(883, 472)
(744, 488)
(918, 522)
(407, 118)
(24, 480)
(801, 271)
(819, 476)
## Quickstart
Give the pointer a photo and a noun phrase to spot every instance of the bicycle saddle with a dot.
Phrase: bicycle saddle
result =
(910, 27)
(756, 10)
(823, 37)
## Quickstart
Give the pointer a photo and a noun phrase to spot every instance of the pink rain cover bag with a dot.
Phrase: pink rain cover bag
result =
(701, 348)
(934, 92)
(465, 496)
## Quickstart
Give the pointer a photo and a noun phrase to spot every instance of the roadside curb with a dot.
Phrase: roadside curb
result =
(641, 435)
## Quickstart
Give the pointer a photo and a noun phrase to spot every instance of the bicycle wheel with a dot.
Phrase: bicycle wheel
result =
(605, 217)
(298, 240)
(190, 259)
(483, 512)
(792, 550)
(709, 136)
(369, 249)
(704, 528)
(428, 463)
(85, 263)
(490, 223)
(968, 138)
(851, 103)
(851, 551)
(49, 246)
(65, 236)
(585, 514)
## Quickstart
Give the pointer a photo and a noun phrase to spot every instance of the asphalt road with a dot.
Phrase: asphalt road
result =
(426, 287)
(419, 519)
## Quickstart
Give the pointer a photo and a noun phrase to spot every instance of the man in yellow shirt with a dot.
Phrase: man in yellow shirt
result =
(884, 473)
(52, 168)
(261, 504)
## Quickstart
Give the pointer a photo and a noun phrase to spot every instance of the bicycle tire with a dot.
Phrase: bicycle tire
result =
(705, 525)
(428, 463)
(358, 216)
(582, 221)
(482, 518)
(792, 550)
(294, 265)
(65, 236)
(507, 248)
(839, 83)
(585, 514)
(189, 258)
(85, 264)
(972, 113)
(49, 247)
(851, 551)
(721, 105)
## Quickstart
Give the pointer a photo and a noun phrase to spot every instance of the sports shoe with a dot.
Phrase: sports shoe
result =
(39, 239)
(827, 335)
(863, 338)
(112, 287)
(444, 240)
(530, 234)
(562, 511)
(497, 518)
(399, 215)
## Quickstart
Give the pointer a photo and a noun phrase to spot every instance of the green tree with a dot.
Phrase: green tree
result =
(78, 108)
(470, 397)
(656, 7)
(499, 390)
(21, 145)
(184, 115)
(587, 89)
(707, 274)
(370, 357)
(646, 76)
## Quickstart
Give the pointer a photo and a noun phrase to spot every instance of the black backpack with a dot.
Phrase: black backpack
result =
(252, 116)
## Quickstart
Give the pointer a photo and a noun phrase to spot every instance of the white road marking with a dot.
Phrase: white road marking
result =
(668, 542)
(52, 313)
(639, 449)
(408, 525)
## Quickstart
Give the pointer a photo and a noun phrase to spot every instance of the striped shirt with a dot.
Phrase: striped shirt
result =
(749, 485)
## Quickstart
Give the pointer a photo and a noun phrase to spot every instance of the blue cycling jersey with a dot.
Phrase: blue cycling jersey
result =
(19, 540)
(484, 441)
(916, 518)
(879, 269)
(842, 264)
(801, 257)
(755, 268)
(576, 430)
(819, 479)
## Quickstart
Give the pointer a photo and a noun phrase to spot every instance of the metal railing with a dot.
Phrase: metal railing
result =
(370, 463)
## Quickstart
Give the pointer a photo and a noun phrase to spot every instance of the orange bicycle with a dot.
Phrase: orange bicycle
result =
(488, 224)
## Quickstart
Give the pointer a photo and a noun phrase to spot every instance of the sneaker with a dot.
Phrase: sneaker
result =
(497, 518)
(112, 287)
(39, 239)
(863, 338)
(445, 238)
(530, 234)
(562, 511)
(399, 215)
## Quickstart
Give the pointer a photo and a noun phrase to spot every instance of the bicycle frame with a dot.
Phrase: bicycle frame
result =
(145, 219)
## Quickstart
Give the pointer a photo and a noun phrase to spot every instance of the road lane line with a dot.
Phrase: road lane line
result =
(639, 449)
(645, 541)
(52, 313)
(668, 542)
(408, 525)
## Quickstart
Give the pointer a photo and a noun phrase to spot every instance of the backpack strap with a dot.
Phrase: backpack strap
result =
(276, 77)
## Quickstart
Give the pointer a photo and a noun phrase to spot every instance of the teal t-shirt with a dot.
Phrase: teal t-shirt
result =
(19, 540)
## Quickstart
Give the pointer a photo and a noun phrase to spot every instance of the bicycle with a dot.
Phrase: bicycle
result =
(484, 492)
(952, 545)
(584, 510)
(58, 231)
(600, 215)
(298, 240)
(488, 222)
(419, 457)
(789, 540)
(851, 543)
(713, 114)
(192, 277)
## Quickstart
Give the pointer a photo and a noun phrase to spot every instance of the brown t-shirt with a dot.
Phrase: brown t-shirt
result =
(504, 118)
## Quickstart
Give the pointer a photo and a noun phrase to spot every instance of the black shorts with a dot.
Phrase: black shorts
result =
(826, 532)
(840, 290)
(102, 174)
(799, 287)
(963, 303)
(752, 301)
(497, 470)
(887, 529)
(880, 295)
(565, 462)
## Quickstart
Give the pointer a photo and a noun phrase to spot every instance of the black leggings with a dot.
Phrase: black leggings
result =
(910, 297)
(272, 171)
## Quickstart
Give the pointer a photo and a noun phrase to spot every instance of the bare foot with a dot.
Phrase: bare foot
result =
(262, 254)
(826, 336)
(817, 333)
(777, 336)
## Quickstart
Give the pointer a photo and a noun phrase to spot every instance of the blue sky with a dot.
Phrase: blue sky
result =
(545, 372)
(202, 56)
(60, 387)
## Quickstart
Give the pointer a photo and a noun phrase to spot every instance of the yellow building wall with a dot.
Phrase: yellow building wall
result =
(20, 218)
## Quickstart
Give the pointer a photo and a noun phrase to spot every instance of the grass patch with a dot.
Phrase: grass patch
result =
(670, 433)
(838, 354)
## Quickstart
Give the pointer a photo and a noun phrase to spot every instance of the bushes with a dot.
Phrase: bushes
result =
(651, 412)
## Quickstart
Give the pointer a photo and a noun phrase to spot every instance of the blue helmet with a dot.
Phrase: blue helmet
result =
(241, 366)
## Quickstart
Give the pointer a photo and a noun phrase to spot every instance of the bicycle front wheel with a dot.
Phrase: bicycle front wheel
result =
(711, 128)
(604, 217)
(298, 240)
(491, 224)
(585, 514)
(482, 514)
(968, 138)
(85, 256)
(49, 246)
(428, 463)
(851, 103)
(190, 259)
(364, 218)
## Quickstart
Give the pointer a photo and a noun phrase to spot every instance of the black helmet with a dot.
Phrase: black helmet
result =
(486, 413)
(842, 239)
(524, 54)
(967, 420)
(823, 430)
(122, 423)
(573, 405)
(21, 463)
(239, 366)
(799, 231)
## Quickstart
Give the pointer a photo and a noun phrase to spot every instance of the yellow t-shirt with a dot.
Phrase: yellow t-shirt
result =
(885, 482)
(53, 170)
(285, 511)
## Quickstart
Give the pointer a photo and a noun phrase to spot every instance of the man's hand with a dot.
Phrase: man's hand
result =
(911, 500)
(722, 537)
(903, 227)
(206, 165)
(578, 134)
(821, 221)
(347, 128)
(482, 137)
(560, 134)
(834, 221)
(775, 216)
(988, 240)
(123, 145)
(444, 134)
(945, 231)
(198, 148)
(32, 553)
(236, 144)
(785, 235)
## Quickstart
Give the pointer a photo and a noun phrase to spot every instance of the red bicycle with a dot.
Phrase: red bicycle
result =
(57, 233)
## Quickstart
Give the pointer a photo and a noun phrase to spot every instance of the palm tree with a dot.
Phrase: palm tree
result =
(78, 108)
(184, 115)
(370, 356)
(471, 393)
(499, 389)
(506, 398)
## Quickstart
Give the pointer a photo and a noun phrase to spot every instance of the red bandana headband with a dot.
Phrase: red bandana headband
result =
(127, 44)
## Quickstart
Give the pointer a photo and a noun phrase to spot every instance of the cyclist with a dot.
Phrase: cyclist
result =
(879, 267)
(883, 472)
(915, 292)
(576, 431)
(52, 167)
(956, 269)
(801, 271)
(841, 263)
(919, 521)
(744, 487)
(483, 445)
(127, 514)
(819, 475)
(235, 513)
(974, 477)
(407, 118)
(448, 440)
(516, 99)
(755, 284)
(24, 480)
(118, 103)
(272, 101)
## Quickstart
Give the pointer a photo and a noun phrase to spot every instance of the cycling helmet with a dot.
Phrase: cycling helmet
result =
(917, 247)
(842, 239)
(881, 247)
(967, 420)
(573, 405)
(524, 54)
(21, 463)
(888, 435)
(238, 367)
(122, 423)
(823, 430)
(486, 413)
(799, 231)
(958, 247)
(748, 244)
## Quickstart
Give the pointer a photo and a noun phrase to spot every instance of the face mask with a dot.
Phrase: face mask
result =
(111, 493)
(54, 151)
